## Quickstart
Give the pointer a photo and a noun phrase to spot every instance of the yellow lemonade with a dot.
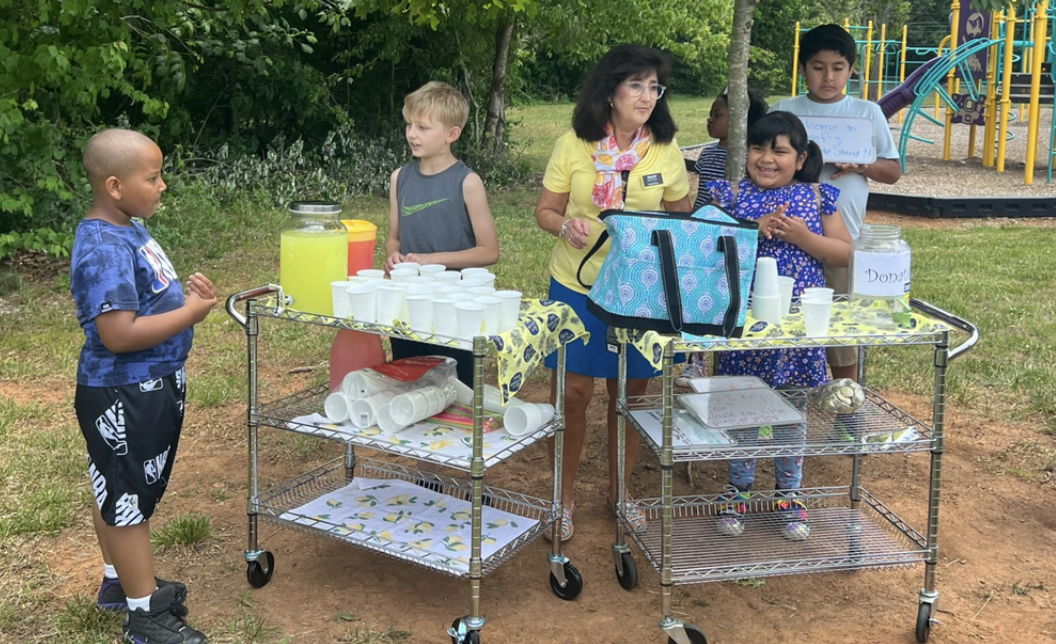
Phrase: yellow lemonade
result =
(308, 262)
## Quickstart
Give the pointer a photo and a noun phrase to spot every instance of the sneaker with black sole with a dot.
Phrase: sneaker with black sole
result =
(730, 514)
(159, 624)
(794, 514)
(112, 596)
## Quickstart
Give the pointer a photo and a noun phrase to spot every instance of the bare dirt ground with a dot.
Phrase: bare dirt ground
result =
(996, 569)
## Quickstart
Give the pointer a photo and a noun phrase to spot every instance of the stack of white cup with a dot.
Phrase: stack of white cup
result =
(816, 304)
(766, 297)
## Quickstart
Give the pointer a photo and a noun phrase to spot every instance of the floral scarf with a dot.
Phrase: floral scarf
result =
(610, 161)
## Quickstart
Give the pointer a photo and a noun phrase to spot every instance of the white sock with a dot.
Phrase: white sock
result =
(141, 603)
(109, 571)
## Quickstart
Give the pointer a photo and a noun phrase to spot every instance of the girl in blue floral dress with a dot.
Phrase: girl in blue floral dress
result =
(798, 229)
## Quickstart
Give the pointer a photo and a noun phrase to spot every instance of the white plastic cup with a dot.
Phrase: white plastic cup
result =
(767, 308)
(469, 318)
(409, 408)
(480, 290)
(511, 309)
(431, 270)
(816, 314)
(339, 293)
(371, 273)
(420, 279)
(472, 280)
(527, 418)
(466, 272)
(493, 400)
(765, 277)
(492, 312)
(390, 303)
(385, 422)
(363, 384)
(414, 265)
(449, 289)
(363, 300)
(335, 407)
(421, 289)
(447, 277)
(402, 274)
(364, 412)
(420, 313)
(786, 286)
(818, 291)
(490, 280)
(358, 279)
(444, 319)
(460, 297)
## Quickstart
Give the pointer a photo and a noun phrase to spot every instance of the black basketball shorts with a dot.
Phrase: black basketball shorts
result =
(132, 432)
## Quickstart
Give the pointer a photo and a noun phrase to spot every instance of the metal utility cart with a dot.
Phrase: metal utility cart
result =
(278, 504)
(850, 527)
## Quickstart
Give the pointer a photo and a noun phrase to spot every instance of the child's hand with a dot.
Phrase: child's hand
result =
(200, 285)
(392, 260)
(791, 230)
(202, 296)
(418, 258)
(848, 168)
(767, 222)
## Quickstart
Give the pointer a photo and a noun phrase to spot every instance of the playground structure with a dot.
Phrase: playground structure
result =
(971, 74)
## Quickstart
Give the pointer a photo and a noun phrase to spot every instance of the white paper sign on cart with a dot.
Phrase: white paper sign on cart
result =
(842, 139)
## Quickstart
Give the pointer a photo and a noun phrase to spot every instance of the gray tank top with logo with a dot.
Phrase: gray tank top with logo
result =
(432, 210)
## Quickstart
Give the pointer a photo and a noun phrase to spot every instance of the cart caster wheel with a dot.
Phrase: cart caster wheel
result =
(695, 635)
(258, 576)
(923, 622)
(629, 579)
(470, 637)
(573, 583)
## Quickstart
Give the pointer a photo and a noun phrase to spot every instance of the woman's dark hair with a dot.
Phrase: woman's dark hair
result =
(766, 130)
(757, 105)
(594, 109)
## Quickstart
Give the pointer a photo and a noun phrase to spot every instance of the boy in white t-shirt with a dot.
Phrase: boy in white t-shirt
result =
(827, 54)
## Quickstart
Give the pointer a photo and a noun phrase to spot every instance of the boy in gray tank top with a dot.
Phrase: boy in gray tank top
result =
(438, 211)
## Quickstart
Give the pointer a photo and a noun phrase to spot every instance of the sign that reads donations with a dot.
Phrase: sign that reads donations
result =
(842, 139)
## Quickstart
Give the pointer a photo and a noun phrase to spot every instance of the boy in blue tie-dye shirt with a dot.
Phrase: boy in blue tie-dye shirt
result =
(131, 383)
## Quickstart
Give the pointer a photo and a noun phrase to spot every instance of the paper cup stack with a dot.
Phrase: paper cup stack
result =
(766, 296)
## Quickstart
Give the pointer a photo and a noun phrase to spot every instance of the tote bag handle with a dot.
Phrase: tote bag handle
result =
(673, 293)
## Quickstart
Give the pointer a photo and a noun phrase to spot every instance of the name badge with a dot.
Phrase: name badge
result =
(655, 179)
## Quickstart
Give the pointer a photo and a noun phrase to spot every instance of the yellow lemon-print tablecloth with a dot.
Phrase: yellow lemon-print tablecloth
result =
(844, 330)
(410, 519)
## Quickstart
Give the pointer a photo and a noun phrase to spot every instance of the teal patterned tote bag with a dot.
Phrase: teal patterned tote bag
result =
(675, 272)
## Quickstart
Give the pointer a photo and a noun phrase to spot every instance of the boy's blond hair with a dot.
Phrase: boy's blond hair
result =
(439, 101)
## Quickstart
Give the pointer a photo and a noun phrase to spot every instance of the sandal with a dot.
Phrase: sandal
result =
(566, 525)
(633, 514)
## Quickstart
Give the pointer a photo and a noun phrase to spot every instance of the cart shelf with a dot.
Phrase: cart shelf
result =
(826, 433)
(281, 414)
(278, 504)
(841, 538)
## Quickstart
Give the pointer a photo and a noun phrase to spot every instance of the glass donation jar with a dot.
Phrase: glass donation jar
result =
(880, 271)
(313, 253)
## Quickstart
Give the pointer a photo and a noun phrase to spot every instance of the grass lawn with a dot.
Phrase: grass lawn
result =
(996, 274)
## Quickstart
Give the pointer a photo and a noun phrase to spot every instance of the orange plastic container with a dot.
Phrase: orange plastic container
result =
(362, 235)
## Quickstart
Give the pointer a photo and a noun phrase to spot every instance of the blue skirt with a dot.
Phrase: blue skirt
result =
(594, 359)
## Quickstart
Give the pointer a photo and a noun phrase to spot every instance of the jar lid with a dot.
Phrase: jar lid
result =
(315, 208)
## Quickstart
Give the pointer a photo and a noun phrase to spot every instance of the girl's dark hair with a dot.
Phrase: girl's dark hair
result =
(593, 110)
(757, 106)
(766, 130)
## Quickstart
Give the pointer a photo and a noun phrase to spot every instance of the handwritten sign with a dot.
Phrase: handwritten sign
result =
(842, 139)
(741, 409)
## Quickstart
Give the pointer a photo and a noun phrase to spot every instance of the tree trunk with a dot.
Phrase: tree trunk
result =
(495, 125)
(737, 70)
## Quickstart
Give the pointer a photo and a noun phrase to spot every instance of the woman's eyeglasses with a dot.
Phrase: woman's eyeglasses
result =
(637, 88)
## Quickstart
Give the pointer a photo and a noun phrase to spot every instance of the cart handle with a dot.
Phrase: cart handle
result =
(954, 321)
(253, 294)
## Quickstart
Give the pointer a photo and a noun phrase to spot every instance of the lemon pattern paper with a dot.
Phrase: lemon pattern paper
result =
(410, 519)
(844, 330)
